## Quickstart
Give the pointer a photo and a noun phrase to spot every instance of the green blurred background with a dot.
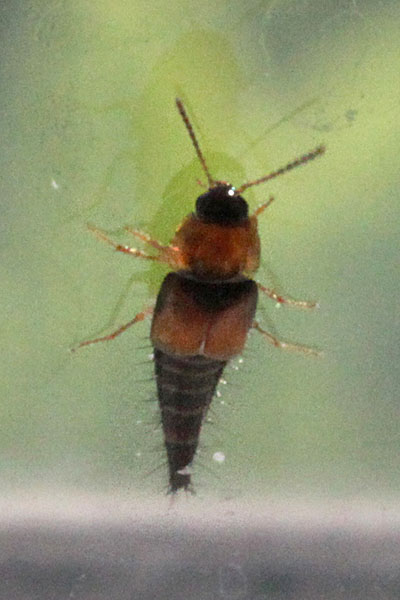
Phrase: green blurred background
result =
(90, 134)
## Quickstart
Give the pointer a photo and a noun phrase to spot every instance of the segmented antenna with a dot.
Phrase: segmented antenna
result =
(292, 165)
(195, 143)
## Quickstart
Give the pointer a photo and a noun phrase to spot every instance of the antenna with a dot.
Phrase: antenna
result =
(195, 143)
(292, 165)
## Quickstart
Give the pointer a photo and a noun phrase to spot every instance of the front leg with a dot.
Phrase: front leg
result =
(146, 238)
(120, 248)
(167, 254)
(262, 207)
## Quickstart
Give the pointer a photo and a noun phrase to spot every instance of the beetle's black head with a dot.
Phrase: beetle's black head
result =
(220, 206)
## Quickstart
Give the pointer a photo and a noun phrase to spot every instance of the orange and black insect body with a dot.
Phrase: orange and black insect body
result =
(205, 307)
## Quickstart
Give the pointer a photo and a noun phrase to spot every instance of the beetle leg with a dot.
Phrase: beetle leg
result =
(262, 207)
(285, 345)
(136, 319)
(281, 300)
(146, 238)
(119, 247)
(168, 254)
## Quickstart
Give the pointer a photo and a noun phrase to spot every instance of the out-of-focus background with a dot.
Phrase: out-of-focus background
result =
(90, 134)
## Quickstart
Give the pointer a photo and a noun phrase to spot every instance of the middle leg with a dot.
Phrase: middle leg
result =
(281, 300)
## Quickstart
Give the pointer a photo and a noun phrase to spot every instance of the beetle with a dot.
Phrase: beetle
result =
(205, 307)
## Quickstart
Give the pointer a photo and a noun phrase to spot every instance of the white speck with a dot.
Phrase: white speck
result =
(54, 184)
(223, 381)
(151, 356)
(222, 402)
(219, 457)
(185, 471)
(138, 454)
(218, 394)
(231, 192)
(278, 305)
(138, 422)
(240, 361)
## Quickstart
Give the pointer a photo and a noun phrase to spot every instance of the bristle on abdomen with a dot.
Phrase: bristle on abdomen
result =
(186, 385)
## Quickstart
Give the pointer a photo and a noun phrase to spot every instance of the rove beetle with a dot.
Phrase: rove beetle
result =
(205, 306)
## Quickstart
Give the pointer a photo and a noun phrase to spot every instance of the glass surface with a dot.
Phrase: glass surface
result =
(90, 134)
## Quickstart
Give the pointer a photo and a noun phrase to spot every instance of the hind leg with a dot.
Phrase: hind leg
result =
(136, 319)
(285, 345)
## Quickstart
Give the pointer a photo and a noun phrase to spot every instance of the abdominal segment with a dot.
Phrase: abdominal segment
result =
(186, 385)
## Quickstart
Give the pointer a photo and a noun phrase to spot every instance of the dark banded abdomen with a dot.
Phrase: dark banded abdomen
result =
(186, 385)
